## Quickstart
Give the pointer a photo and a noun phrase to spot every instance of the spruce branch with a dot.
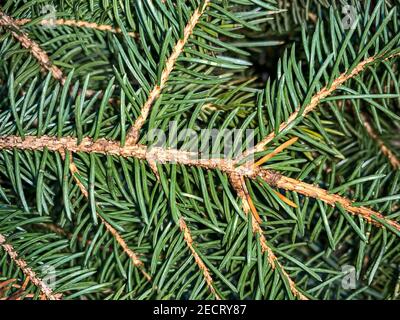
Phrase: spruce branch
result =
(131, 254)
(62, 232)
(289, 184)
(75, 23)
(394, 161)
(41, 56)
(239, 185)
(203, 268)
(28, 272)
(315, 102)
(141, 152)
(134, 131)
(199, 64)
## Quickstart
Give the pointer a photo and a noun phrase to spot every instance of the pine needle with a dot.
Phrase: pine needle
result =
(276, 151)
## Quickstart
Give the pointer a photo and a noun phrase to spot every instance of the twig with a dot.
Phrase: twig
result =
(315, 100)
(189, 242)
(239, 185)
(161, 155)
(309, 190)
(394, 161)
(76, 23)
(28, 272)
(131, 254)
(20, 294)
(32, 46)
(134, 132)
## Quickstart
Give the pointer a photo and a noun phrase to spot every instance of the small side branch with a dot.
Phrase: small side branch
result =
(19, 294)
(76, 23)
(239, 185)
(394, 161)
(41, 56)
(28, 272)
(315, 100)
(134, 131)
(189, 242)
(131, 254)
(312, 191)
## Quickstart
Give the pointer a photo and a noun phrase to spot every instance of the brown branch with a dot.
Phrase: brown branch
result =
(60, 231)
(286, 183)
(136, 261)
(44, 60)
(109, 147)
(189, 242)
(161, 155)
(56, 229)
(239, 185)
(394, 161)
(38, 52)
(20, 294)
(315, 100)
(134, 131)
(76, 23)
(32, 46)
(131, 254)
(236, 174)
(28, 272)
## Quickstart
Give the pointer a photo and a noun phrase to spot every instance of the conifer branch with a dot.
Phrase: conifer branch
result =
(40, 55)
(239, 185)
(131, 254)
(60, 231)
(315, 101)
(134, 131)
(111, 147)
(203, 268)
(286, 183)
(32, 46)
(28, 272)
(394, 161)
(161, 155)
(55, 229)
(197, 57)
(76, 23)
(6, 285)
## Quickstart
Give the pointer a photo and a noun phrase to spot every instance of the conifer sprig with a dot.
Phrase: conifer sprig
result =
(79, 173)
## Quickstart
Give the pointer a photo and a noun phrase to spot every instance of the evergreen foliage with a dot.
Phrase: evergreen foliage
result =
(89, 210)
